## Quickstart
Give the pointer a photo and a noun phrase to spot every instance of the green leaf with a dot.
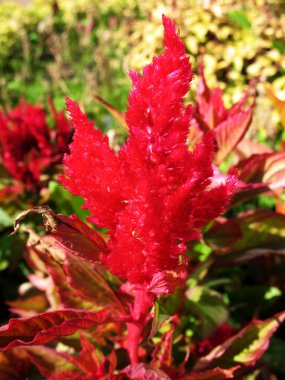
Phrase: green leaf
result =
(164, 307)
(65, 202)
(5, 219)
(91, 286)
(252, 299)
(244, 348)
(240, 19)
(275, 354)
(209, 306)
(279, 45)
(158, 319)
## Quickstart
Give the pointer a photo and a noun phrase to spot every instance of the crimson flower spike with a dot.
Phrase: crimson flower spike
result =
(154, 195)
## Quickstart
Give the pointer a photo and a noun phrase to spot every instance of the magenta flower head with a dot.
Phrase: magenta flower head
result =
(154, 195)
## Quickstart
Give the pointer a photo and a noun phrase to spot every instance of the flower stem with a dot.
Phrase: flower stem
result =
(142, 304)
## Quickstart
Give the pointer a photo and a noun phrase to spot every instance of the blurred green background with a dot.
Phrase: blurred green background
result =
(84, 47)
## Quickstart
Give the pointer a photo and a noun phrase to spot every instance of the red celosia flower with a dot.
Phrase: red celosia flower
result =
(154, 195)
(26, 142)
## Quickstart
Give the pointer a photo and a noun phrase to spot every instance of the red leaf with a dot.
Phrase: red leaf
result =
(247, 148)
(230, 132)
(223, 233)
(29, 304)
(261, 233)
(244, 348)
(75, 236)
(260, 228)
(212, 374)
(89, 285)
(47, 326)
(162, 353)
(230, 125)
(49, 361)
(267, 167)
(70, 375)
(14, 365)
(144, 372)
(67, 296)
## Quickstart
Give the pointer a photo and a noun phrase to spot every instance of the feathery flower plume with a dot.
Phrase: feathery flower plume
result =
(154, 195)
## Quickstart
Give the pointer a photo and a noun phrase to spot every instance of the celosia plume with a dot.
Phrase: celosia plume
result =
(154, 195)
(28, 146)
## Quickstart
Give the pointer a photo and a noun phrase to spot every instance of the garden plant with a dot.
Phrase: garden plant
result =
(177, 272)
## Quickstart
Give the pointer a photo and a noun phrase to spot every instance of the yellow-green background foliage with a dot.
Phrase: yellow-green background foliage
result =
(78, 48)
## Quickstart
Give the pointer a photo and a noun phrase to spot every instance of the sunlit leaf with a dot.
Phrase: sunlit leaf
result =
(48, 326)
(209, 307)
(244, 348)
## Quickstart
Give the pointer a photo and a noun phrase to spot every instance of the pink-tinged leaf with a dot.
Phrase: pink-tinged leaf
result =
(275, 168)
(14, 365)
(262, 235)
(88, 359)
(244, 348)
(144, 372)
(118, 115)
(48, 326)
(29, 305)
(212, 374)
(162, 353)
(70, 375)
(259, 174)
(230, 132)
(49, 361)
(163, 283)
(90, 285)
(222, 233)
(210, 109)
(245, 191)
(75, 236)
(93, 362)
(230, 125)
(260, 229)
(67, 296)
(247, 148)
(267, 167)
